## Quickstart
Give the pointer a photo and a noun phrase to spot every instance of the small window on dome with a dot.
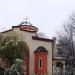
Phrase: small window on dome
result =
(40, 63)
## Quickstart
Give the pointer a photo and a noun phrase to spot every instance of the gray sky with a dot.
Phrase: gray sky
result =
(47, 15)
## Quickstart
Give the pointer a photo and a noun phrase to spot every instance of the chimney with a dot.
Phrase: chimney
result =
(54, 39)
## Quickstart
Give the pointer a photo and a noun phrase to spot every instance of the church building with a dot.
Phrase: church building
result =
(39, 60)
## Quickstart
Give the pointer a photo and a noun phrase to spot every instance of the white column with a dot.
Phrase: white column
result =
(54, 68)
(64, 67)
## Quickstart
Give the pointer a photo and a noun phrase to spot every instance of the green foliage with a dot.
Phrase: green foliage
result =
(12, 48)
(2, 71)
(16, 68)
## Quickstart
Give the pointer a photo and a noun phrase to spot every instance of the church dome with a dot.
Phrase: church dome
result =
(41, 49)
(27, 26)
(25, 23)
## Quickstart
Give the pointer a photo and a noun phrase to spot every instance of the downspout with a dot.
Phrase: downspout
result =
(53, 47)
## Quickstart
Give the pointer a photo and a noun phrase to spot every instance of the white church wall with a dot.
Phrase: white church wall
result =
(33, 45)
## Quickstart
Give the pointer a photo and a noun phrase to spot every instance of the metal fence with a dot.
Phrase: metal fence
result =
(64, 73)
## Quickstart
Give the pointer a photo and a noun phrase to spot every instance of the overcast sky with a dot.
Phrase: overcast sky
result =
(47, 15)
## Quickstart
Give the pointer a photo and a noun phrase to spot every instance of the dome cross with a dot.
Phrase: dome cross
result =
(26, 19)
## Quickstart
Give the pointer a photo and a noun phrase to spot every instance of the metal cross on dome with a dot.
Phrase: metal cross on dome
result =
(26, 19)
(26, 22)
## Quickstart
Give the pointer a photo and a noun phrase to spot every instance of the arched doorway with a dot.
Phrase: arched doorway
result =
(40, 67)
(2, 71)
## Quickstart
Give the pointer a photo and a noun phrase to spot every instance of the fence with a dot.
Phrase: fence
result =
(64, 73)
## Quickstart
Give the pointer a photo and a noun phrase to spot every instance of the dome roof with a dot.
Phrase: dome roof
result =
(41, 49)
(27, 26)
(25, 23)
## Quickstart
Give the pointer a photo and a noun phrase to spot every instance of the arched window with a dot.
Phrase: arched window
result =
(40, 63)
(41, 49)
